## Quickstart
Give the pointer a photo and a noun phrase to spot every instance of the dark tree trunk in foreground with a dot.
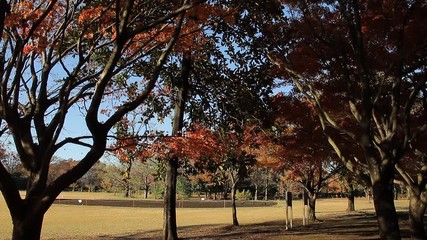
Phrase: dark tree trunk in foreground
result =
(417, 209)
(27, 226)
(169, 226)
(35, 109)
(417, 195)
(385, 209)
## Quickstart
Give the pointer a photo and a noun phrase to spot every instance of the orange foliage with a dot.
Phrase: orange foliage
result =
(194, 145)
(126, 149)
(25, 17)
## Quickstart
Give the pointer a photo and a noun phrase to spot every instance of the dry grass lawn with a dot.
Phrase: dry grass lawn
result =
(100, 222)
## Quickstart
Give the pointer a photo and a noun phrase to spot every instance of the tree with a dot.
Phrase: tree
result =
(299, 146)
(144, 175)
(183, 187)
(91, 46)
(258, 178)
(350, 185)
(60, 166)
(92, 178)
(235, 160)
(268, 154)
(413, 172)
(368, 59)
(9, 160)
(172, 151)
(128, 149)
(208, 178)
(202, 81)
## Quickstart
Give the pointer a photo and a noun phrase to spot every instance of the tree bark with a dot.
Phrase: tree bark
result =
(417, 209)
(147, 187)
(27, 225)
(266, 188)
(126, 178)
(169, 226)
(368, 193)
(233, 205)
(312, 197)
(385, 209)
(350, 198)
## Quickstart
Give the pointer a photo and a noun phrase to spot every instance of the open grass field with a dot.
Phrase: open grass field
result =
(106, 222)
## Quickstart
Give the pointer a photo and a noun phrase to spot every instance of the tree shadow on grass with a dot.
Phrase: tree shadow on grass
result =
(359, 225)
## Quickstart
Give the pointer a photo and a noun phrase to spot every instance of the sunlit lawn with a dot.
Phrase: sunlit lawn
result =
(79, 221)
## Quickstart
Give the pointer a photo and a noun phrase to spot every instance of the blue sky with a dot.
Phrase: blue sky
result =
(75, 126)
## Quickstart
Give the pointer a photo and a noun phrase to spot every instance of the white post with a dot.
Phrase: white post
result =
(287, 215)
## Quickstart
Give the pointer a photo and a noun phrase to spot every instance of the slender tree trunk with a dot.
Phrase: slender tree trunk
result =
(169, 226)
(417, 209)
(368, 193)
(256, 192)
(312, 197)
(146, 189)
(350, 198)
(233, 205)
(266, 188)
(126, 178)
(385, 209)
(225, 195)
(127, 189)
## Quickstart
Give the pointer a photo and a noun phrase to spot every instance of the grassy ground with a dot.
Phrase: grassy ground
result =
(96, 222)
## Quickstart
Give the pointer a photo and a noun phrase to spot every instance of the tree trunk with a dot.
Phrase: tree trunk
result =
(169, 227)
(350, 198)
(225, 193)
(385, 209)
(266, 189)
(417, 210)
(126, 178)
(368, 193)
(127, 189)
(27, 226)
(146, 190)
(233, 205)
(312, 197)
(256, 192)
